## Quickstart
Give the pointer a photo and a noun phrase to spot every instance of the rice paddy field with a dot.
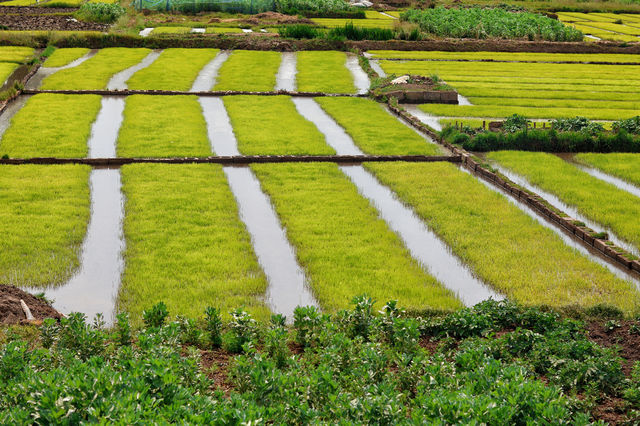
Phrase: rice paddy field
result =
(623, 27)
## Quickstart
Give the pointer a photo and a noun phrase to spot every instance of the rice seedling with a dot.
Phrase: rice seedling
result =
(249, 70)
(324, 72)
(502, 111)
(150, 128)
(362, 23)
(505, 247)
(170, 30)
(281, 130)
(62, 57)
(185, 244)
(624, 166)
(6, 69)
(345, 249)
(44, 211)
(51, 125)
(222, 30)
(94, 74)
(17, 54)
(374, 129)
(175, 69)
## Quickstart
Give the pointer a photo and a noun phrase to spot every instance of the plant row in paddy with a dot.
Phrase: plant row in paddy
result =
(495, 363)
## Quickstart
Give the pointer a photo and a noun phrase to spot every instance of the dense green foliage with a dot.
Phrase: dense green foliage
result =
(352, 32)
(357, 366)
(106, 13)
(486, 22)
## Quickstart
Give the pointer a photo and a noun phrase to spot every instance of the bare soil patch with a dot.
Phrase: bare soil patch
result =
(33, 18)
(215, 365)
(11, 310)
(623, 336)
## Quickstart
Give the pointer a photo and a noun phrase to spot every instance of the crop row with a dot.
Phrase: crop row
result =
(608, 26)
(623, 166)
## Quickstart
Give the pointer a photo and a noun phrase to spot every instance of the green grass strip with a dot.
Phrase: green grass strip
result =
(557, 103)
(501, 111)
(600, 201)
(175, 69)
(345, 248)
(51, 125)
(272, 126)
(512, 92)
(6, 69)
(624, 166)
(150, 127)
(171, 30)
(375, 130)
(506, 56)
(95, 73)
(44, 211)
(249, 70)
(17, 54)
(62, 57)
(324, 72)
(185, 243)
(505, 247)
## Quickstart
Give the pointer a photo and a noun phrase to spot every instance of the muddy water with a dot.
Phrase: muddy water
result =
(94, 287)
(286, 77)
(429, 120)
(593, 255)
(36, 80)
(360, 78)
(288, 286)
(104, 133)
(119, 80)
(207, 77)
(617, 182)
(423, 245)
(561, 205)
(7, 114)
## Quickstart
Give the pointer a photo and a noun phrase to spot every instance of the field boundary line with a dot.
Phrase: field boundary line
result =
(586, 236)
(505, 61)
(216, 93)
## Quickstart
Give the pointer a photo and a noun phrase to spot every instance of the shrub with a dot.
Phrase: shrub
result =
(213, 326)
(299, 31)
(630, 125)
(105, 13)
(155, 317)
(351, 32)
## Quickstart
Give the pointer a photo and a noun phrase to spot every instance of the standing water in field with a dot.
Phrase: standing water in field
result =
(207, 77)
(10, 110)
(421, 242)
(36, 80)
(617, 182)
(375, 64)
(286, 77)
(360, 78)
(429, 120)
(287, 283)
(102, 143)
(119, 80)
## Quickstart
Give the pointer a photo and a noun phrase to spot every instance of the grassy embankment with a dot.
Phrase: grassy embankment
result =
(324, 72)
(600, 201)
(282, 130)
(150, 128)
(505, 247)
(249, 70)
(95, 73)
(345, 248)
(175, 69)
(375, 130)
(186, 245)
(51, 125)
(62, 57)
(44, 211)
(624, 166)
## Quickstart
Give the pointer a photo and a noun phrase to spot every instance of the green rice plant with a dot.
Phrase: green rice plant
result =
(514, 93)
(344, 247)
(324, 72)
(374, 129)
(170, 30)
(51, 125)
(17, 54)
(300, 31)
(598, 200)
(506, 248)
(185, 243)
(6, 69)
(44, 211)
(624, 166)
(360, 23)
(175, 69)
(281, 130)
(557, 103)
(94, 74)
(253, 71)
(222, 30)
(150, 128)
(351, 32)
(62, 57)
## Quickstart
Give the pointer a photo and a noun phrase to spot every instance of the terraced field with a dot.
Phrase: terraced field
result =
(605, 26)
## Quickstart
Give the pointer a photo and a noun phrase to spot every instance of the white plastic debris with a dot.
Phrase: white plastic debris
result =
(400, 80)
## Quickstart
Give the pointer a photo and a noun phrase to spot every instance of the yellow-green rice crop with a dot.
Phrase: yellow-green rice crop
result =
(44, 211)
(501, 111)
(558, 103)
(505, 247)
(16, 54)
(51, 125)
(271, 125)
(175, 69)
(151, 128)
(6, 69)
(375, 130)
(185, 244)
(62, 57)
(598, 200)
(342, 244)
(624, 166)
(253, 71)
(513, 91)
(362, 23)
(170, 30)
(219, 30)
(94, 74)
(324, 72)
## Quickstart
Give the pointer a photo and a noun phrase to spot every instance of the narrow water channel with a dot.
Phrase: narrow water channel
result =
(102, 143)
(10, 110)
(286, 77)
(207, 77)
(119, 80)
(287, 284)
(429, 120)
(36, 80)
(617, 182)
(360, 78)
(423, 245)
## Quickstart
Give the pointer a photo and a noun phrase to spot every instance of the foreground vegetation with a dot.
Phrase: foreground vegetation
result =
(495, 363)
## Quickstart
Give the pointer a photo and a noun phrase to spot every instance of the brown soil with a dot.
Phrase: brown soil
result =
(11, 310)
(628, 342)
(216, 366)
(26, 10)
(43, 19)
